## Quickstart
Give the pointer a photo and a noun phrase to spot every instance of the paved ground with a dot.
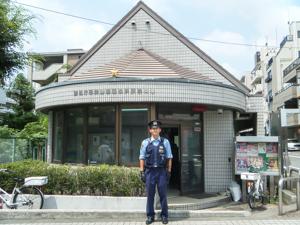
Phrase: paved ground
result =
(227, 222)
(264, 216)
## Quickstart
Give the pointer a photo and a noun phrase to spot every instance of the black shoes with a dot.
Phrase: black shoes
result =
(149, 220)
(164, 220)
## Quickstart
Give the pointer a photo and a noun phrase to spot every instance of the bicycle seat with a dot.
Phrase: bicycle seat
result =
(19, 180)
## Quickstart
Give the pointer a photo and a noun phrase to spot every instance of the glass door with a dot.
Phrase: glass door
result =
(191, 159)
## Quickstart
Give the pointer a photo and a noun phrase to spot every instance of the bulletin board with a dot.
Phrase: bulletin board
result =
(257, 153)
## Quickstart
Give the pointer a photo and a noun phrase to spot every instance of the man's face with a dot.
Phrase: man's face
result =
(155, 131)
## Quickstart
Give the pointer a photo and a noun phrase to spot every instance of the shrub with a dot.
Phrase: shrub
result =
(77, 180)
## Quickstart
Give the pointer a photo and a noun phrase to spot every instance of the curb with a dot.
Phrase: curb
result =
(7, 214)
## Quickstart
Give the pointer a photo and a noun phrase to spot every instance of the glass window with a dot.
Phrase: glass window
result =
(133, 132)
(74, 135)
(58, 136)
(101, 134)
(298, 33)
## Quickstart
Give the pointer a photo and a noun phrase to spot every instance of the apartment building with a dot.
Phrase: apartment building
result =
(52, 66)
(258, 81)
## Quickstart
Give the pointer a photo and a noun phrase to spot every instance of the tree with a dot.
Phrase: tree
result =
(15, 25)
(23, 110)
(37, 129)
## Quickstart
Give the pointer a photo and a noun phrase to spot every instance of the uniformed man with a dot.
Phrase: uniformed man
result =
(155, 168)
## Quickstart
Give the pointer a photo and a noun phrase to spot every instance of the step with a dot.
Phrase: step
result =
(200, 203)
(288, 197)
(21, 215)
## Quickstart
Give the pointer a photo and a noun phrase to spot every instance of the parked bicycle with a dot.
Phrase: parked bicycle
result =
(255, 189)
(25, 194)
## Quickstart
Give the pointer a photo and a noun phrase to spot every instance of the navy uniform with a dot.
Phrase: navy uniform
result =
(156, 153)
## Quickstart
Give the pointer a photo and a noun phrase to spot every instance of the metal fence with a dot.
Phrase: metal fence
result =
(16, 149)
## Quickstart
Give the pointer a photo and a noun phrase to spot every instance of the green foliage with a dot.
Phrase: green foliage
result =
(23, 110)
(15, 25)
(78, 180)
(33, 130)
(6, 132)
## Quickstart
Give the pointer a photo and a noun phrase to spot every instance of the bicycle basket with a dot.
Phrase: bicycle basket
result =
(35, 181)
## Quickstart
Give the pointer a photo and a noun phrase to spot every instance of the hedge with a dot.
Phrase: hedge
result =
(100, 180)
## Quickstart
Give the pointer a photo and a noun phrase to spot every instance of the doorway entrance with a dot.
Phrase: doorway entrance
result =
(172, 134)
(187, 164)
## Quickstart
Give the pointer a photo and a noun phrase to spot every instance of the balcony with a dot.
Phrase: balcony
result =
(285, 94)
(291, 71)
(258, 88)
(290, 117)
(256, 77)
(41, 76)
(293, 119)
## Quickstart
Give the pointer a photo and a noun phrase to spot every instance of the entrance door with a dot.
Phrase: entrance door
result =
(191, 159)
(171, 132)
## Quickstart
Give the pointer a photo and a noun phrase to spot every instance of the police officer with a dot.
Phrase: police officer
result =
(155, 168)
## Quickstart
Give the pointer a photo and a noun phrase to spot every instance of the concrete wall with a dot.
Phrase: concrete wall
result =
(94, 202)
(218, 150)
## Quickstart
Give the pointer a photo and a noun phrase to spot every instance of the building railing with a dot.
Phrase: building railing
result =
(291, 67)
(269, 63)
(286, 87)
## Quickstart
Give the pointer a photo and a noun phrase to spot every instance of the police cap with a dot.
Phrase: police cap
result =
(154, 124)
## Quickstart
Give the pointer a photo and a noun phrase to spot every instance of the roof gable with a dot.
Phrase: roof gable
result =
(223, 74)
(141, 63)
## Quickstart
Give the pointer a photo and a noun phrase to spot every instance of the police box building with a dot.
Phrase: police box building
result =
(144, 69)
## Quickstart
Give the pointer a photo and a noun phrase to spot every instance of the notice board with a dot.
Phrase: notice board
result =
(257, 153)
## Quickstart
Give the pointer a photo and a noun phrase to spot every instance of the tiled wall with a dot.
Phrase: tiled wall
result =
(154, 38)
(218, 149)
(50, 129)
(151, 91)
(255, 104)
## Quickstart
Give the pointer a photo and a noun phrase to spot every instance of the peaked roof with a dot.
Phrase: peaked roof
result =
(141, 5)
(141, 63)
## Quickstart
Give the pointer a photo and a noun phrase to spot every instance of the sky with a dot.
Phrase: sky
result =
(254, 22)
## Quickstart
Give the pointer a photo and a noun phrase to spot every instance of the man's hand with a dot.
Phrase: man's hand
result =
(143, 176)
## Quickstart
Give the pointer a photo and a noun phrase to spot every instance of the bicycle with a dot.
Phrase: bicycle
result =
(25, 196)
(256, 195)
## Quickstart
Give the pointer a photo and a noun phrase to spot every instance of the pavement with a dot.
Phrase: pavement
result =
(228, 214)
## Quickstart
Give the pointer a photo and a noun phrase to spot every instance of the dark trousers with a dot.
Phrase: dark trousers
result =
(156, 177)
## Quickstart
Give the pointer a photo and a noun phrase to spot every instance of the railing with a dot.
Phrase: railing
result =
(269, 63)
(292, 66)
(280, 188)
(48, 72)
(286, 87)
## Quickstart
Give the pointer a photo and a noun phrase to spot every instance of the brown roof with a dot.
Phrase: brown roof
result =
(141, 63)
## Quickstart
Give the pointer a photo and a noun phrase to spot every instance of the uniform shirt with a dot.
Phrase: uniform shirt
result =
(155, 142)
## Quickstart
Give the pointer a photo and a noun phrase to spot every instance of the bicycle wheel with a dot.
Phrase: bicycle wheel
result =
(29, 198)
(254, 201)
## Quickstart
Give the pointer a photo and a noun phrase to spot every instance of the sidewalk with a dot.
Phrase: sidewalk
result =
(231, 213)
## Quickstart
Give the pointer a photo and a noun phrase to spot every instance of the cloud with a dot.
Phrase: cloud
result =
(57, 32)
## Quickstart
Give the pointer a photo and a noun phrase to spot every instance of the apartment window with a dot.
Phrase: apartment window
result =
(298, 33)
(298, 54)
